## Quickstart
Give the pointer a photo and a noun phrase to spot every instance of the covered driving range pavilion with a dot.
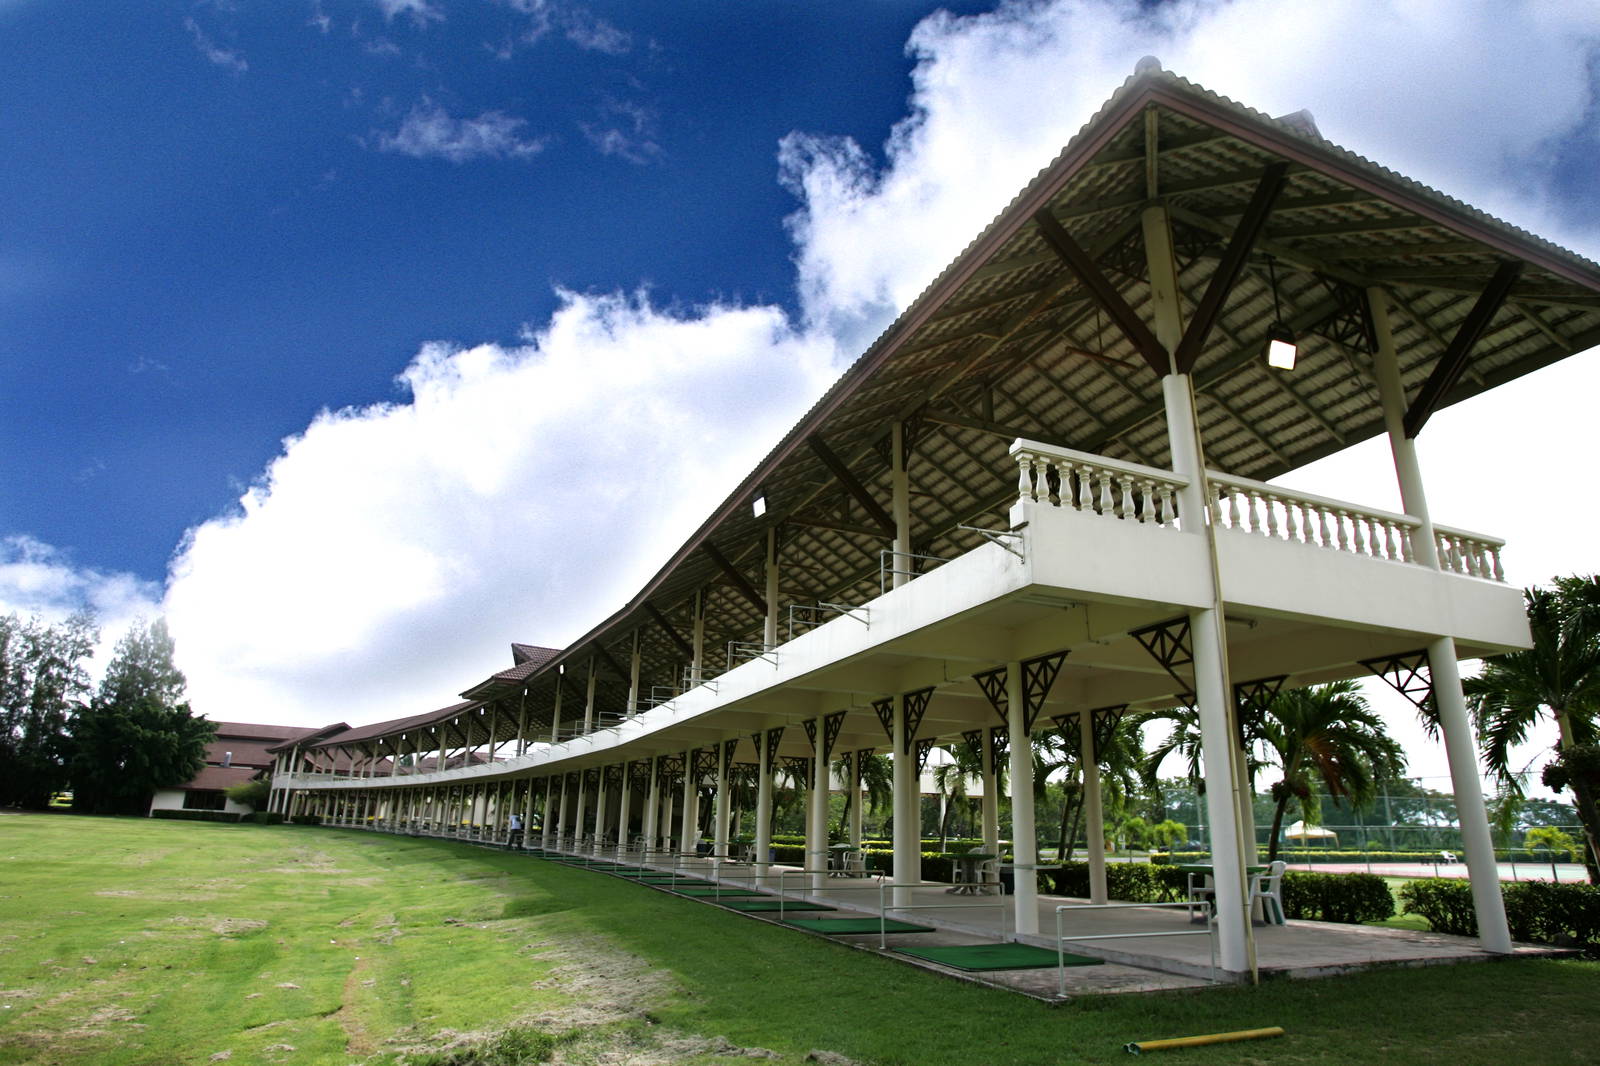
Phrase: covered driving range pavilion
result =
(1040, 500)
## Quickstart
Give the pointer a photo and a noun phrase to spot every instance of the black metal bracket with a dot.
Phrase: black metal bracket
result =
(1168, 644)
(705, 762)
(923, 748)
(916, 704)
(1409, 674)
(774, 738)
(1106, 722)
(1038, 674)
(728, 748)
(1068, 728)
(1251, 700)
(799, 767)
(831, 724)
(885, 709)
(993, 684)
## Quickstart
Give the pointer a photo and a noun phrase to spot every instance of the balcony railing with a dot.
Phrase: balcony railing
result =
(1130, 492)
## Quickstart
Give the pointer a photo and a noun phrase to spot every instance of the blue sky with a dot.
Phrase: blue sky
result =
(215, 228)
(363, 337)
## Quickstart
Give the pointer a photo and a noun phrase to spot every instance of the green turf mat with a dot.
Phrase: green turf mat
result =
(773, 905)
(855, 925)
(719, 893)
(995, 956)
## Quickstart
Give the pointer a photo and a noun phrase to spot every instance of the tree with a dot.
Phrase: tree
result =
(1558, 678)
(254, 793)
(1326, 732)
(41, 676)
(136, 735)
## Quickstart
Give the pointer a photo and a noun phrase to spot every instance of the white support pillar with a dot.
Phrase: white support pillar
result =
(690, 834)
(900, 507)
(990, 811)
(547, 824)
(817, 810)
(1094, 822)
(600, 794)
(667, 846)
(770, 631)
(624, 809)
(763, 832)
(652, 811)
(562, 824)
(588, 699)
(1024, 837)
(719, 845)
(527, 816)
(907, 810)
(1459, 740)
(633, 677)
(555, 715)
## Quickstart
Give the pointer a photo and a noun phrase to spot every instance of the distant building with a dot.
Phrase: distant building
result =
(239, 753)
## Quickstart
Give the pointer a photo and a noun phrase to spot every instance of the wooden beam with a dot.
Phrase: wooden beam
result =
(616, 667)
(850, 528)
(1451, 364)
(740, 582)
(666, 626)
(842, 474)
(994, 429)
(1104, 293)
(1227, 271)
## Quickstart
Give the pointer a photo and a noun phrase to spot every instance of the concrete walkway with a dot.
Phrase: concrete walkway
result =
(1133, 963)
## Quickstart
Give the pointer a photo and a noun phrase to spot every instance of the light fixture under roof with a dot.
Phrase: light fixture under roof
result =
(1281, 346)
(758, 506)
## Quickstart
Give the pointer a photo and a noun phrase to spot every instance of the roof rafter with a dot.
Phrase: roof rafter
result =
(1451, 364)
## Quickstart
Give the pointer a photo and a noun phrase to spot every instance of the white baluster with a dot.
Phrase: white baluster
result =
(1406, 552)
(1272, 516)
(1338, 522)
(1024, 477)
(1169, 514)
(1041, 479)
(1390, 549)
(1289, 531)
(1085, 500)
(1105, 507)
(1322, 527)
(1494, 557)
(1233, 507)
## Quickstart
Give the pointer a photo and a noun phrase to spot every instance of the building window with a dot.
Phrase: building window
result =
(204, 800)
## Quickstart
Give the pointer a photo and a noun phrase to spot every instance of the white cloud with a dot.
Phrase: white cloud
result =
(1466, 96)
(37, 580)
(227, 58)
(391, 552)
(593, 34)
(428, 131)
(625, 130)
(421, 12)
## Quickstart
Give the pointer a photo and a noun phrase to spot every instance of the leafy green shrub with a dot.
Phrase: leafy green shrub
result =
(198, 816)
(1350, 898)
(267, 818)
(1541, 912)
(305, 819)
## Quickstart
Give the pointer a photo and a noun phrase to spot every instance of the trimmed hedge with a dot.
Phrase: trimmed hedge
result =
(1540, 912)
(1351, 855)
(267, 818)
(198, 816)
(1352, 898)
(306, 819)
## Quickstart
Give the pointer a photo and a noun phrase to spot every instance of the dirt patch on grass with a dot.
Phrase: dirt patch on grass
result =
(357, 1041)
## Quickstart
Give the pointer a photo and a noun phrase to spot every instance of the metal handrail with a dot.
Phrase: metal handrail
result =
(1005, 907)
(1209, 931)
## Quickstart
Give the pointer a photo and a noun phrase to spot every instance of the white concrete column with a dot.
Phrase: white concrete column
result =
(633, 677)
(527, 816)
(719, 836)
(763, 832)
(1392, 397)
(907, 841)
(990, 808)
(770, 632)
(588, 698)
(562, 823)
(1235, 938)
(1024, 836)
(547, 823)
(600, 795)
(817, 811)
(555, 714)
(1094, 821)
(689, 836)
(900, 506)
(652, 811)
(624, 809)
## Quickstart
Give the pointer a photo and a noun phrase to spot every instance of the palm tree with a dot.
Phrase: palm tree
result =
(1325, 732)
(877, 776)
(1558, 676)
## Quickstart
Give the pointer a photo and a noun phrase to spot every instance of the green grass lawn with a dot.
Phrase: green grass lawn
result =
(125, 941)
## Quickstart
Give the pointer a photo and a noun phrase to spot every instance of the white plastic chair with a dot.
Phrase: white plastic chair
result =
(1268, 888)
